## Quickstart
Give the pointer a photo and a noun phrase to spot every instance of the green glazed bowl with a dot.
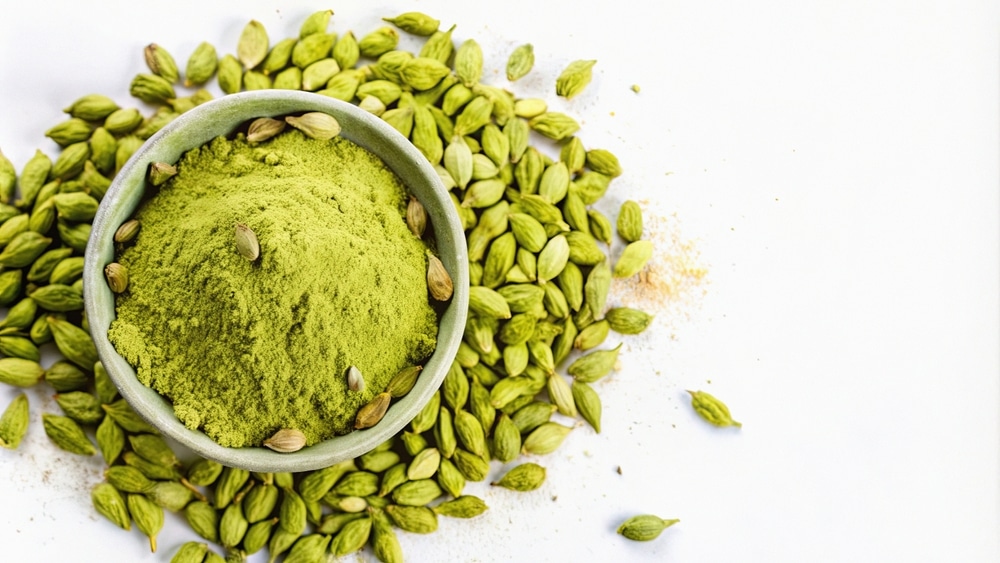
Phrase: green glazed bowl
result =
(220, 117)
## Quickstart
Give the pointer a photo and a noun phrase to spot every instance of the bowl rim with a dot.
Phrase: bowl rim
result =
(221, 116)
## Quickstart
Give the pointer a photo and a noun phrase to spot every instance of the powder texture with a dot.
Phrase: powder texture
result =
(244, 349)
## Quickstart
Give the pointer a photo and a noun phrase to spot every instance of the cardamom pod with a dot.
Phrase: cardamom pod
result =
(414, 519)
(73, 130)
(116, 276)
(439, 282)
(203, 519)
(161, 62)
(81, 406)
(253, 44)
(626, 320)
(310, 547)
(92, 107)
(318, 73)
(633, 258)
(417, 493)
(315, 124)
(465, 506)
(357, 484)
(14, 422)
(521, 59)
(524, 477)
(190, 552)
(403, 381)
(232, 525)
(378, 42)
(312, 48)
(73, 342)
(20, 372)
(152, 88)
(67, 434)
(488, 303)
(246, 242)
(553, 258)
(229, 74)
(346, 50)
(712, 410)
(574, 78)
(506, 439)
(416, 23)
(109, 503)
(352, 537)
(644, 527)
(371, 413)
(545, 439)
(355, 381)
(110, 439)
(201, 65)
(593, 366)
(416, 217)
(469, 62)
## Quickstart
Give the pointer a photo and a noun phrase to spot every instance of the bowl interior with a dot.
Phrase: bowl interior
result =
(220, 117)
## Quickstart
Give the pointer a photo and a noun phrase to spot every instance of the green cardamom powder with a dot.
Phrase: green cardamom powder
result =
(243, 348)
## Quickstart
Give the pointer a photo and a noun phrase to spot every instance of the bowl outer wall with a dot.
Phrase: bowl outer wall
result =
(220, 117)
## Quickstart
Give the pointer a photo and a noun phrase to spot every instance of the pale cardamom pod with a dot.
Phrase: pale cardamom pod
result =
(524, 477)
(711, 409)
(574, 78)
(355, 381)
(416, 23)
(246, 242)
(263, 128)
(253, 44)
(439, 282)
(286, 440)
(117, 277)
(416, 217)
(315, 124)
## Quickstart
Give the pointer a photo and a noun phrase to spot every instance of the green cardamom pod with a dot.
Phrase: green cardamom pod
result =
(10, 286)
(352, 536)
(378, 42)
(14, 422)
(633, 258)
(126, 148)
(574, 78)
(203, 519)
(554, 182)
(465, 506)
(554, 125)
(124, 416)
(232, 525)
(190, 552)
(257, 536)
(122, 121)
(416, 23)
(152, 88)
(510, 388)
(414, 519)
(103, 147)
(469, 62)
(583, 249)
(524, 477)
(73, 342)
(75, 206)
(256, 80)
(487, 302)
(712, 410)
(287, 79)
(231, 480)
(588, 403)
(530, 107)
(312, 48)
(81, 406)
(201, 65)
(279, 55)
(20, 372)
(41, 272)
(20, 315)
(253, 45)
(592, 335)
(229, 74)
(506, 439)
(520, 62)
(73, 130)
(357, 484)
(310, 547)
(66, 434)
(259, 502)
(422, 73)
(416, 493)
(346, 51)
(605, 162)
(645, 527)
(92, 107)
(204, 472)
(444, 432)
(23, 249)
(71, 160)
(438, 46)
(161, 62)
(153, 449)
(474, 116)
(593, 366)
(33, 176)
(427, 417)
(109, 503)
(318, 73)
(553, 258)
(626, 320)
(316, 22)
(110, 440)
(545, 439)
(596, 289)
(8, 180)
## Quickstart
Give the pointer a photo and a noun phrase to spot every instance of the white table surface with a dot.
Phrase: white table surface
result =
(834, 168)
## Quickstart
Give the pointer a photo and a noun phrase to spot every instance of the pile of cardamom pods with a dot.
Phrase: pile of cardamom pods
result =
(540, 276)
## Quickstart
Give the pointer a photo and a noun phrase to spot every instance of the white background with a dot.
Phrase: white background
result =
(834, 167)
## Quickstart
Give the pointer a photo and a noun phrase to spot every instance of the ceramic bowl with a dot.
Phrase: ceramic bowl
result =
(220, 117)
